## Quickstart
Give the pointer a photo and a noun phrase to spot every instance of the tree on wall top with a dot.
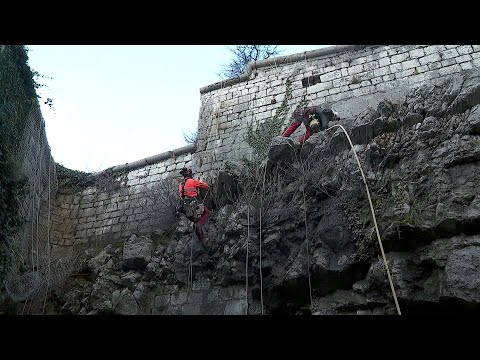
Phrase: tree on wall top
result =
(243, 55)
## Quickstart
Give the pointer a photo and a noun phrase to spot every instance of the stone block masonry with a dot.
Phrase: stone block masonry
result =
(127, 199)
(345, 77)
(348, 78)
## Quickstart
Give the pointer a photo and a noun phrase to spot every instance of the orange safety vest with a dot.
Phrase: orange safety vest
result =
(191, 186)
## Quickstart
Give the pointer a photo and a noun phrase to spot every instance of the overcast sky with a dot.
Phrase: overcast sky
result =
(114, 104)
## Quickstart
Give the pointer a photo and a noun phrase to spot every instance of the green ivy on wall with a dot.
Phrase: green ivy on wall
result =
(259, 138)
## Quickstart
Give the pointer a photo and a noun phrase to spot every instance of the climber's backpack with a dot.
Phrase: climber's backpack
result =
(320, 119)
(191, 206)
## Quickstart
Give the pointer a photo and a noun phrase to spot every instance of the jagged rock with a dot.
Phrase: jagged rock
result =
(379, 125)
(226, 189)
(386, 108)
(130, 279)
(362, 134)
(444, 269)
(283, 149)
(159, 250)
(473, 121)
(235, 307)
(141, 293)
(101, 296)
(150, 271)
(340, 302)
(421, 160)
(412, 119)
(99, 262)
(124, 303)
(160, 303)
(189, 253)
(467, 93)
(463, 273)
(339, 142)
(184, 227)
(137, 252)
(160, 237)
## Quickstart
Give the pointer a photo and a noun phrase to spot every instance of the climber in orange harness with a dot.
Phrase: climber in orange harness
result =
(195, 210)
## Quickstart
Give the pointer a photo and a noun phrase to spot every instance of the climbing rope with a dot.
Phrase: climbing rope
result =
(306, 232)
(247, 242)
(24, 306)
(190, 270)
(246, 259)
(308, 250)
(373, 216)
(306, 226)
(260, 251)
(304, 201)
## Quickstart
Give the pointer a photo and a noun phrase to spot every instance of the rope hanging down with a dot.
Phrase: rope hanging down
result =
(374, 221)
(260, 251)
(190, 269)
(247, 242)
(373, 216)
(306, 231)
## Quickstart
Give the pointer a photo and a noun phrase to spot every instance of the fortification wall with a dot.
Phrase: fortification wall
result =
(349, 78)
(132, 198)
(345, 77)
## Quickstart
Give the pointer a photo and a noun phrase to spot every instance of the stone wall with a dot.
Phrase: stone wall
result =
(126, 199)
(349, 78)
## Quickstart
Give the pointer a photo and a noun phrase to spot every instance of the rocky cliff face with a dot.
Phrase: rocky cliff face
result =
(310, 221)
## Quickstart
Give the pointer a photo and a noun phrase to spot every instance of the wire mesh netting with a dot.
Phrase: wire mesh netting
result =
(33, 271)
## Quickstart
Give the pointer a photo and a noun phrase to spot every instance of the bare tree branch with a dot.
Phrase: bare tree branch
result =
(191, 137)
(243, 54)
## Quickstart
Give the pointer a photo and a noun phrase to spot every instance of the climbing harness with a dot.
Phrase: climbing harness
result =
(191, 206)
